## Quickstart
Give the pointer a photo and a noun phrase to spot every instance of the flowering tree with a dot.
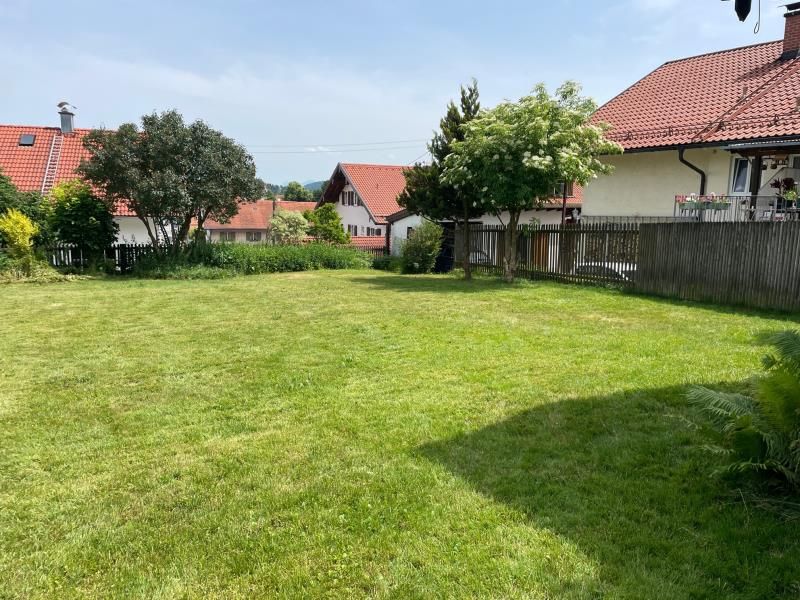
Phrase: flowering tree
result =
(288, 227)
(518, 153)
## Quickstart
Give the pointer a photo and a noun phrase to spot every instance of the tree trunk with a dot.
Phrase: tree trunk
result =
(466, 247)
(510, 248)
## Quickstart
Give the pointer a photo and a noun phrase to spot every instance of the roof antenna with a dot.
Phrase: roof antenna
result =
(757, 28)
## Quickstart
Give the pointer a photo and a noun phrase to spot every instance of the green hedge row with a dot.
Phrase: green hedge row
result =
(211, 261)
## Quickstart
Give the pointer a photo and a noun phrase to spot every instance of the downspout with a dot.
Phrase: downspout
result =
(694, 168)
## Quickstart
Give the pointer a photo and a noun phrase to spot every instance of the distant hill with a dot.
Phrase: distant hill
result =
(314, 186)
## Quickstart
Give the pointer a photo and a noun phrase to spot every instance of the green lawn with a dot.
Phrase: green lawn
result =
(351, 434)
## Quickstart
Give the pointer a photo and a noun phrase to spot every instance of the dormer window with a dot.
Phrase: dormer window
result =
(27, 139)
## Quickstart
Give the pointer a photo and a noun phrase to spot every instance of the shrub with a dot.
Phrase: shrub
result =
(325, 224)
(760, 433)
(28, 269)
(288, 227)
(18, 231)
(387, 263)
(80, 218)
(421, 248)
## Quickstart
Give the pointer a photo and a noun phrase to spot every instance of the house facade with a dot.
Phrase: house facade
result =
(364, 196)
(707, 138)
(252, 223)
(37, 158)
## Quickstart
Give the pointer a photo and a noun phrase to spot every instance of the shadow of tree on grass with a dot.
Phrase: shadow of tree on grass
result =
(622, 477)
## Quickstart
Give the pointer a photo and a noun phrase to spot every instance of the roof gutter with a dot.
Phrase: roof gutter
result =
(694, 168)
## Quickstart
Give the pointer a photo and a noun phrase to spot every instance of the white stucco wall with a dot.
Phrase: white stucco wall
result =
(131, 231)
(544, 217)
(356, 215)
(646, 183)
(399, 232)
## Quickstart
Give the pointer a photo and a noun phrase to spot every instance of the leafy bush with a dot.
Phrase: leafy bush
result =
(18, 232)
(325, 224)
(213, 261)
(80, 218)
(288, 227)
(421, 248)
(29, 270)
(760, 433)
(387, 263)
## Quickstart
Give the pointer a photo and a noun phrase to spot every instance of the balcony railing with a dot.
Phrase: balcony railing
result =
(735, 208)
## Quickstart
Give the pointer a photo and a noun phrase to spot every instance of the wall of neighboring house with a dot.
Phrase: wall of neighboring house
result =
(132, 231)
(232, 235)
(543, 217)
(646, 183)
(400, 231)
(356, 215)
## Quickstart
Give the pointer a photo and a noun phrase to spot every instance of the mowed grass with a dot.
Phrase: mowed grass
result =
(359, 434)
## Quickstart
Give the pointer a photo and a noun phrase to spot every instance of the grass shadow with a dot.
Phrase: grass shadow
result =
(623, 478)
(436, 283)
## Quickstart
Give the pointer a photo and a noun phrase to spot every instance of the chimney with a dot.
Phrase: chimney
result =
(791, 39)
(67, 117)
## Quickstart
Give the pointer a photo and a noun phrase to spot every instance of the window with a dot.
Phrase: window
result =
(253, 236)
(558, 191)
(27, 139)
(351, 198)
(352, 230)
(740, 179)
(409, 231)
(227, 236)
(373, 231)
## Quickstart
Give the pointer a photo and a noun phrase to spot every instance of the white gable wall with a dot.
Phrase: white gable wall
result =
(356, 215)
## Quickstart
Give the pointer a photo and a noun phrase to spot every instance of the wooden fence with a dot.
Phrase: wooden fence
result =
(748, 264)
(601, 253)
(754, 264)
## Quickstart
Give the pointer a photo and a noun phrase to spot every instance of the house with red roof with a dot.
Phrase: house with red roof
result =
(37, 158)
(366, 195)
(707, 137)
(252, 222)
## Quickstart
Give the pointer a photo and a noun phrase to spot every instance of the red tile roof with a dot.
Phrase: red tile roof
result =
(378, 186)
(733, 95)
(26, 165)
(368, 242)
(258, 215)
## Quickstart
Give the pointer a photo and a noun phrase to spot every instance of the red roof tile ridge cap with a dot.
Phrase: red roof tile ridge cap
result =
(791, 68)
(47, 127)
(374, 165)
(705, 54)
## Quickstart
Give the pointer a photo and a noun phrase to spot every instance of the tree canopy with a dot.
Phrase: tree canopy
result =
(517, 153)
(288, 227)
(295, 192)
(325, 224)
(82, 219)
(427, 193)
(171, 173)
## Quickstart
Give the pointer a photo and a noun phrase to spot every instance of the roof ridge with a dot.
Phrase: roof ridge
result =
(375, 165)
(715, 52)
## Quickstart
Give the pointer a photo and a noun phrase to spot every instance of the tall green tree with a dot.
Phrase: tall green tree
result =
(517, 153)
(325, 224)
(428, 194)
(170, 174)
(82, 219)
(295, 192)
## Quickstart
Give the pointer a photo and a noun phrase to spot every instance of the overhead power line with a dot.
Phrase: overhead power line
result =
(334, 150)
(348, 145)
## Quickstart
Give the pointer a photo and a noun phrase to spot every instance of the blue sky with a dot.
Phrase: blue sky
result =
(306, 84)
